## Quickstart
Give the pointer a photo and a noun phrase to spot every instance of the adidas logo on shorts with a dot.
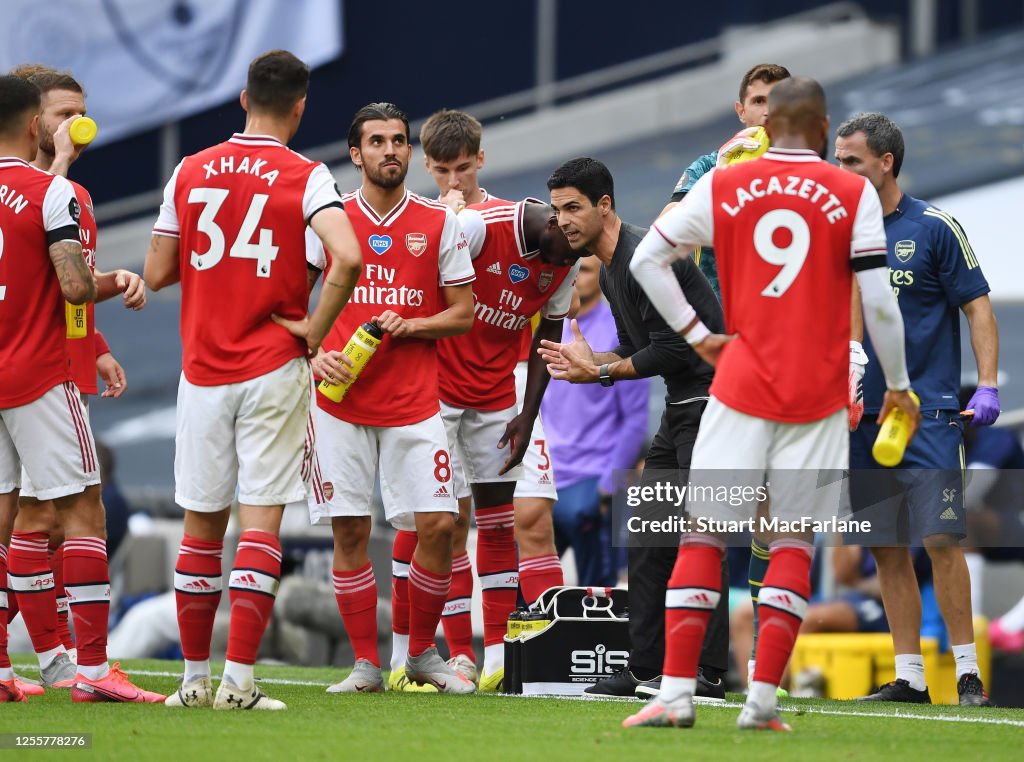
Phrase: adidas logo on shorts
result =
(948, 514)
(494, 268)
(442, 492)
(545, 479)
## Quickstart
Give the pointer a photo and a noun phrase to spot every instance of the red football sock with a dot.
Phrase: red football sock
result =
(63, 628)
(458, 625)
(781, 606)
(427, 593)
(356, 593)
(87, 582)
(537, 574)
(401, 556)
(198, 585)
(252, 588)
(497, 568)
(5, 659)
(694, 590)
(28, 565)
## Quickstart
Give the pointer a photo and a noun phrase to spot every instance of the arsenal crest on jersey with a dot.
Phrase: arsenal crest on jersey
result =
(544, 280)
(416, 243)
(905, 250)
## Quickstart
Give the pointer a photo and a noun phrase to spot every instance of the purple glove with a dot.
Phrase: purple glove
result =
(985, 404)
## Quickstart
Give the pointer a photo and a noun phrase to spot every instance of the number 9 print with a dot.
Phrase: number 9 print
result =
(790, 257)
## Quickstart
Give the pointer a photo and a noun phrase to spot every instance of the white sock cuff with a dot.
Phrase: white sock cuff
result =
(910, 667)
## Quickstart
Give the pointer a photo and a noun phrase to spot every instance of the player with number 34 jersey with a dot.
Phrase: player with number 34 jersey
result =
(232, 230)
(236, 187)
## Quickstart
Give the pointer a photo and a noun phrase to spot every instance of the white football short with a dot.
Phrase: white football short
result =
(538, 479)
(52, 439)
(255, 434)
(414, 462)
(27, 488)
(804, 464)
(473, 437)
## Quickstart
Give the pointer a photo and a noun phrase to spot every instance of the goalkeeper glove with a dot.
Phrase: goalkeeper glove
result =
(744, 140)
(858, 362)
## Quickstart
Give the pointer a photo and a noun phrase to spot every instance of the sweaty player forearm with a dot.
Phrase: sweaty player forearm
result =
(449, 322)
(455, 320)
(161, 266)
(536, 369)
(76, 280)
(339, 283)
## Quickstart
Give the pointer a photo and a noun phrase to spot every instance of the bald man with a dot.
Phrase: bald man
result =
(791, 232)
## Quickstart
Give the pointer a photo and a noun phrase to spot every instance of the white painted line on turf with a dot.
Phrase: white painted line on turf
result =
(901, 715)
(898, 714)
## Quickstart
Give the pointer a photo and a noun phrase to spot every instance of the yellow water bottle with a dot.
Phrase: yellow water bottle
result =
(359, 350)
(892, 436)
(77, 320)
(82, 131)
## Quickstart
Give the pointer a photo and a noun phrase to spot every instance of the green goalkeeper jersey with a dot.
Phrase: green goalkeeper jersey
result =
(704, 256)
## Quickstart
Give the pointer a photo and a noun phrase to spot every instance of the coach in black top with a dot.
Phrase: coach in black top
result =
(582, 194)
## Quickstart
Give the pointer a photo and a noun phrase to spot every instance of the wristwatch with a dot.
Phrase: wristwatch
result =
(602, 374)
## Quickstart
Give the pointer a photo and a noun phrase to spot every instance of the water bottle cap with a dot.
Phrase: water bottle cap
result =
(82, 131)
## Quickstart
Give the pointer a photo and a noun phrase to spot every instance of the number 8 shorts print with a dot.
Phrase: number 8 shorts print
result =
(414, 463)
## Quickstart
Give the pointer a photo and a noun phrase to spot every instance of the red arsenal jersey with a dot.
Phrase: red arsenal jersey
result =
(407, 254)
(512, 285)
(241, 209)
(37, 209)
(784, 229)
(83, 351)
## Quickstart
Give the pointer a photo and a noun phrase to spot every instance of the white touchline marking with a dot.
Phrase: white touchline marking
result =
(896, 715)
(901, 715)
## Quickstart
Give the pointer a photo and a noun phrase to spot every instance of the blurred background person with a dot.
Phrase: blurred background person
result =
(592, 432)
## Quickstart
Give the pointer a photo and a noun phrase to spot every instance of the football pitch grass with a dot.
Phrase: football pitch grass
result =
(488, 727)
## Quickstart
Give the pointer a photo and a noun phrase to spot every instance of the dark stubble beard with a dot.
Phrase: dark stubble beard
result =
(46, 144)
(386, 181)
